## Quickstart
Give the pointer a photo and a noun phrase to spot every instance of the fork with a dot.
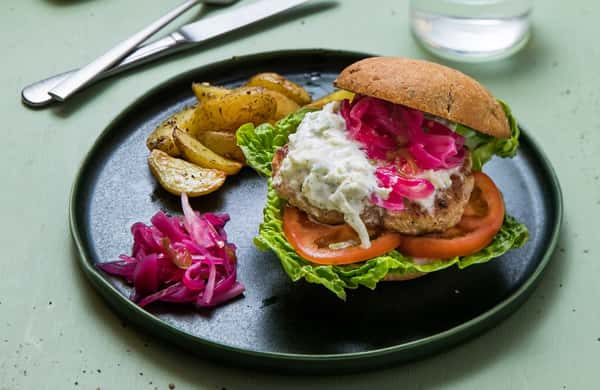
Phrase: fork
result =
(75, 82)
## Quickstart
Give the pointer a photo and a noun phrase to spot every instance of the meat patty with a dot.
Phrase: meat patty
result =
(448, 209)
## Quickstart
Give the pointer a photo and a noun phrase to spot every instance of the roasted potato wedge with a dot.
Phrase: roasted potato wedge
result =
(205, 91)
(162, 137)
(224, 144)
(285, 105)
(194, 151)
(177, 176)
(230, 111)
(340, 94)
(276, 82)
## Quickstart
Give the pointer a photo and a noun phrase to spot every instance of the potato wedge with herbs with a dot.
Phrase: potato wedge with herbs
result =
(340, 94)
(177, 176)
(276, 82)
(228, 112)
(205, 91)
(285, 105)
(194, 151)
(224, 144)
(162, 137)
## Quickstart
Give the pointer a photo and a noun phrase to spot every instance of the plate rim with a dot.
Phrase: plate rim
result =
(162, 328)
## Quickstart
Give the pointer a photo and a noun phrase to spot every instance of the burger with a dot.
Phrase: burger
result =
(387, 186)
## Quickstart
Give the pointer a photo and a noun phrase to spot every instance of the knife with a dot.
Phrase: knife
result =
(72, 84)
(36, 94)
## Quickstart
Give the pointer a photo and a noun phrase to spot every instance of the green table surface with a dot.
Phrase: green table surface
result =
(57, 333)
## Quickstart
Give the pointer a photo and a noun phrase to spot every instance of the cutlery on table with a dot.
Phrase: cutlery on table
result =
(59, 88)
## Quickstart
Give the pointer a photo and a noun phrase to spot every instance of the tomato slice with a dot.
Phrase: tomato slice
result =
(482, 219)
(312, 240)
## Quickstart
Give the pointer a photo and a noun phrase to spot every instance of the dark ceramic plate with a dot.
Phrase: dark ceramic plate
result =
(299, 326)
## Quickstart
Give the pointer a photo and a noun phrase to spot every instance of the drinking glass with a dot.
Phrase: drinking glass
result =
(471, 30)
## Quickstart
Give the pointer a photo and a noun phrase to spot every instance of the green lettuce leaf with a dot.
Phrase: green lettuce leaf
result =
(259, 143)
(338, 278)
(483, 147)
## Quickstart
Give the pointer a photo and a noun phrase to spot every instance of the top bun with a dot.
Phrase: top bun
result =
(427, 87)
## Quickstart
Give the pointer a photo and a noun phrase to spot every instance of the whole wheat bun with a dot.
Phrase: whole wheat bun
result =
(427, 87)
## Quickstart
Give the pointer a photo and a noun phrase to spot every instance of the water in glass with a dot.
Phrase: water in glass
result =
(471, 30)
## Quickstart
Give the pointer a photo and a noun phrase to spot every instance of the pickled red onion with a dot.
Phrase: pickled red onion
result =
(180, 259)
(438, 148)
(382, 127)
(412, 188)
(376, 132)
(401, 187)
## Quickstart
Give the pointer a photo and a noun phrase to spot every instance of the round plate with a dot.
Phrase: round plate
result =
(298, 326)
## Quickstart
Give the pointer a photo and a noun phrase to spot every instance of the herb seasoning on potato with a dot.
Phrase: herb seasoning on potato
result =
(196, 148)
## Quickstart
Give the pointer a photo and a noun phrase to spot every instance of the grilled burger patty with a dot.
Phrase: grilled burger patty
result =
(447, 210)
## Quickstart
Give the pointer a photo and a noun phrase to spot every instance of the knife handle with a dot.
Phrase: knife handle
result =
(36, 94)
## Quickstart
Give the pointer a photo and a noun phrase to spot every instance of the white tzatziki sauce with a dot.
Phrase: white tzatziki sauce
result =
(329, 169)
(441, 180)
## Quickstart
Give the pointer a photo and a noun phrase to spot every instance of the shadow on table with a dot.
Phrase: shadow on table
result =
(501, 342)
(89, 94)
(62, 3)
(524, 62)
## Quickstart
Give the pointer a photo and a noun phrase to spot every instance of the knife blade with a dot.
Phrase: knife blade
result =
(189, 35)
(214, 26)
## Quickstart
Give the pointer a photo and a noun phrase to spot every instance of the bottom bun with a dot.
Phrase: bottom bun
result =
(401, 277)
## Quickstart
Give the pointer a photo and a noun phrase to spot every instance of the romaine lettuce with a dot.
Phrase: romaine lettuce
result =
(259, 143)
(483, 147)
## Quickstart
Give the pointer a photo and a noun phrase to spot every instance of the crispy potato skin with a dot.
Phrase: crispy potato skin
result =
(162, 137)
(195, 152)
(204, 91)
(177, 176)
(222, 143)
(276, 82)
(228, 112)
(285, 105)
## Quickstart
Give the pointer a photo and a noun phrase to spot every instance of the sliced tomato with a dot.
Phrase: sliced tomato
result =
(482, 219)
(314, 241)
